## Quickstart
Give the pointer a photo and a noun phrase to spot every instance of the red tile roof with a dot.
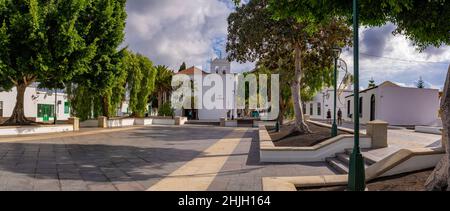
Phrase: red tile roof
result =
(192, 71)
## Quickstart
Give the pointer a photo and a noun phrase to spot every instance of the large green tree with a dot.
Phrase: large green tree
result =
(290, 47)
(141, 84)
(426, 23)
(41, 42)
(103, 24)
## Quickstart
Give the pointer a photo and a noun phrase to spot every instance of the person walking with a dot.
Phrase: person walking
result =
(329, 116)
(339, 114)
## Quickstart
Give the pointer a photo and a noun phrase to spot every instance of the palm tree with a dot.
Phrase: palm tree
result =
(163, 83)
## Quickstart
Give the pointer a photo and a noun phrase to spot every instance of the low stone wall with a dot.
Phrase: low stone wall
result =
(143, 121)
(163, 121)
(317, 153)
(30, 130)
(238, 123)
(405, 161)
(430, 130)
(129, 122)
(89, 123)
(266, 123)
(112, 123)
(400, 162)
(347, 130)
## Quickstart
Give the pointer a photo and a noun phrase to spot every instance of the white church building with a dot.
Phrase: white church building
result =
(221, 67)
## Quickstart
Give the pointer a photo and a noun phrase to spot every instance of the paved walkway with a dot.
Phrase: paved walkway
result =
(400, 138)
(155, 158)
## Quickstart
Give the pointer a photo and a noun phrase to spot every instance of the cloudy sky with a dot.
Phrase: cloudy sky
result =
(172, 31)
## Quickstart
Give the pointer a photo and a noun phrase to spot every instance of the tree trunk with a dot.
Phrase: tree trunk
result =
(296, 97)
(440, 178)
(18, 115)
(160, 99)
(282, 110)
(105, 106)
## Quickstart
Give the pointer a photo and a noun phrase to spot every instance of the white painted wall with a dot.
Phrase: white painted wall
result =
(326, 100)
(408, 106)
(9, 101)
(228, 100)
(400, 105)
(28, 130)
(296, 154)
(415, 163)
(32, 98)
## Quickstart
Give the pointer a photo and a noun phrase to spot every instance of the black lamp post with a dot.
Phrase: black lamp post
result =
(357, 175)
(336, 54)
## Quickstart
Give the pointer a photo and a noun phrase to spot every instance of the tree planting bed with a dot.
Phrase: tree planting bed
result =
(284, 139)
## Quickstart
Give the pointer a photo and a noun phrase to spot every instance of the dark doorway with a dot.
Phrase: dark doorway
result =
(372, 108)
(191, 114)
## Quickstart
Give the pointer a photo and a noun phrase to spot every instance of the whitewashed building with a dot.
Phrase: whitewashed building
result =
(223, 68)
(39, 104)
(401, 106)
(324, 102)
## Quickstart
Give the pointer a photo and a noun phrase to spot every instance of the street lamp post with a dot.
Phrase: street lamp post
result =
(336, 54)
(357, 177)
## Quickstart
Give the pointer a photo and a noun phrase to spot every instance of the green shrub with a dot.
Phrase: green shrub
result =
(166, 110)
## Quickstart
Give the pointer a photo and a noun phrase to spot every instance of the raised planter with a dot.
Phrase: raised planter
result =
(89, 123)
(129, 122)
(29, 130)
(163, 121)
(143, 121)
(430, 130)
(269, 153)
(112, 123)
(400, 162)
(266, 123)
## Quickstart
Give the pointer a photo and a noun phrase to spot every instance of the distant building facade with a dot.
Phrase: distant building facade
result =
(402, 106)
(221, 67)
(324, 102)
(39, 104)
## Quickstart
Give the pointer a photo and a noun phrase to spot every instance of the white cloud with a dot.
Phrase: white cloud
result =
(173, 31)
(394, 58)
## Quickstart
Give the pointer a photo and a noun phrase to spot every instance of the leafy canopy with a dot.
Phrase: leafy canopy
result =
(41, 41)
(426, 23)
(253, 35)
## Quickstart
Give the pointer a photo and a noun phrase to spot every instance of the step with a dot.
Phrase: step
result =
(344, 158)
(367, 160)
(338, 165)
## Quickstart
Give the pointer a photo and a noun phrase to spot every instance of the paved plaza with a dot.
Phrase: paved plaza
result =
(139, 159)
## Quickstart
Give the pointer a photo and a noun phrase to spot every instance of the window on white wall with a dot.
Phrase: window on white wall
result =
(361, 107)
(348, 108)
(319, 109)
(311, 109)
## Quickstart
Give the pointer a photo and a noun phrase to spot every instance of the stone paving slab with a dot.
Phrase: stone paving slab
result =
(244, 172)
(198, 174)
(128, 160)
(137, 159)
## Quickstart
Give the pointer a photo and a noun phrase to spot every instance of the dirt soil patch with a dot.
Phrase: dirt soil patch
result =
(405, 182)
(318, 135)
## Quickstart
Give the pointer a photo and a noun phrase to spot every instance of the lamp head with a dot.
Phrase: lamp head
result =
(337, 51)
